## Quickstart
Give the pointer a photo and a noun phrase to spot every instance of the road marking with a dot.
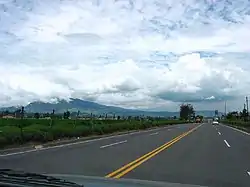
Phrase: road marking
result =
(227, 143)
(219, 133)
(132, 165)
(154, 133)
(248, 173)
(116, 143)
(21, 152)
(237, 130)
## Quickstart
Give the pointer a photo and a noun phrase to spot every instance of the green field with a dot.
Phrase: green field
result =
(14, 132)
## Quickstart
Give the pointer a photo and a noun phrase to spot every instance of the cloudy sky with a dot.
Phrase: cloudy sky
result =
(146, 54)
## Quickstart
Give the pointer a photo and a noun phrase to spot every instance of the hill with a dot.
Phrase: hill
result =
(88, 107)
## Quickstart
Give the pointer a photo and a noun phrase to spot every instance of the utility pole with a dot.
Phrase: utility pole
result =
(244, 112)
(225, 108)
(247, 104)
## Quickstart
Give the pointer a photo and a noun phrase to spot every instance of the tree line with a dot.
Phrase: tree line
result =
(238, 115)
(186, 112)
(21, 113)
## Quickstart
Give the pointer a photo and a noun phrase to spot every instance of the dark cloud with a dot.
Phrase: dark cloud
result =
(194, 97)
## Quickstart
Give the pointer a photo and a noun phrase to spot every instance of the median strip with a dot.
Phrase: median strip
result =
(132, 165)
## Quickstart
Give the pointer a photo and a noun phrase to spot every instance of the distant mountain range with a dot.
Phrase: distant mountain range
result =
(87, 107)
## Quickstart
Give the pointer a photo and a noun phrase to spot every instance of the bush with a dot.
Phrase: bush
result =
(11, 133)
(3, 141)
(39, 130)
(34, 135)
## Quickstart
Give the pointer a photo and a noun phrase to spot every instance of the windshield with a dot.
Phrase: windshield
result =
(152, 90)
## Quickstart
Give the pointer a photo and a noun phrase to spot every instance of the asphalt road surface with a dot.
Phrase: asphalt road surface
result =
(199, 154)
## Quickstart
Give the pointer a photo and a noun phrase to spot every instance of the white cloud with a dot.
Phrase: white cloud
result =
(136, 54)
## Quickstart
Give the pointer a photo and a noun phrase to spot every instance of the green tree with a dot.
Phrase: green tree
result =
(37, 115)
(187, 111)
(233, 115)
(66, 115)
(46, 115)
(244, 114)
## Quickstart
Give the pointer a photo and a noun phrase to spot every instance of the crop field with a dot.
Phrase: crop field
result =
(20, 131)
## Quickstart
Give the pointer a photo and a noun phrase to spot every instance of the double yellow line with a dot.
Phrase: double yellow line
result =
(132, 165)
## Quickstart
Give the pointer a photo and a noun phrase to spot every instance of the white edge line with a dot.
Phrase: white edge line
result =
(248, 173)
(227, 143)
(154, 133)
(21, 152)
(116, 143)
(237, 130)
(80, 142)
(219, 133)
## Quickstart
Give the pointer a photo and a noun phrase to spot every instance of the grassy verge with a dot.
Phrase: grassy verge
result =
(242, 125)
(16, 132)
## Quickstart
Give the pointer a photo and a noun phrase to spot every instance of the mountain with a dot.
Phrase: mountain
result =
(87, 107)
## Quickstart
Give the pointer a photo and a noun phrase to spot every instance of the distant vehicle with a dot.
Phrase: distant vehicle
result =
(215, 123)
(197, 120)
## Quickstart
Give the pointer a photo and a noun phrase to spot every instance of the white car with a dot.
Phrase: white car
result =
(215, 123)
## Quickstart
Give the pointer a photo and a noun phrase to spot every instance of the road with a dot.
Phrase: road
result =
(199, 154)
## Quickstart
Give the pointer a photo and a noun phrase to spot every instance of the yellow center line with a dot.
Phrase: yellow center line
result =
(137, 160)
(132, 165)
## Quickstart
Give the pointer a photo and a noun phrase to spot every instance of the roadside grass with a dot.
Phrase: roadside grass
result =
(239, 124)
(15, 132)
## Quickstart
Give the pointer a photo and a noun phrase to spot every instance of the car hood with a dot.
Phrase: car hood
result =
(88, 181)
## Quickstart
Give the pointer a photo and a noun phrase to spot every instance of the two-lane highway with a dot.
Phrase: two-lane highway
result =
(189, 153)
(201, 158)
